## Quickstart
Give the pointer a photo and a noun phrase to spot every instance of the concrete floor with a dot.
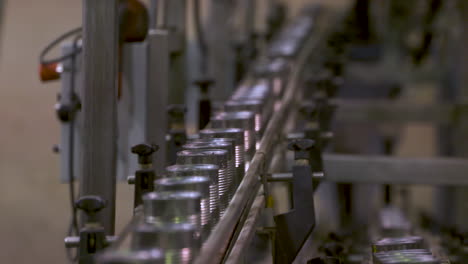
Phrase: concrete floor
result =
(35, 206)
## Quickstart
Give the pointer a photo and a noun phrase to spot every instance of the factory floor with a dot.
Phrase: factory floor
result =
(34, 205)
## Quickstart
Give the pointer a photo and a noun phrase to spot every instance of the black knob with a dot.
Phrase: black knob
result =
(56, 148)
(327, 83)
(309, 110)
(324, 82)
(176, 109)
(326, 109)
(133, 21)
(91, 205)
(301, 148)
(335, 65)
(204, 105)
(337, 43)
(238, 46)
(144, 152)
(176, 114)
(332, 249)
(65, 112)
(204, 84)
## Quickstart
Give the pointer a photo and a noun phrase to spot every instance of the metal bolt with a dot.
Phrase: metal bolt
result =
(301, 148)
(144, 152)
(56, 148)
(91, 205)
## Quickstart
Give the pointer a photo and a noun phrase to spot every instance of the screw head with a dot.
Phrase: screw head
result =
(56, 148)
(176, 109)
(144, 152)
(65, 112)
(204, 84)
(308, 109)
(144, 149)
(91, 204)
(301, 145)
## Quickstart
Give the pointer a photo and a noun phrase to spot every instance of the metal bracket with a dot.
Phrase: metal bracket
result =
(66, 98)
(89, 236)
(294, 227)
(92, 237)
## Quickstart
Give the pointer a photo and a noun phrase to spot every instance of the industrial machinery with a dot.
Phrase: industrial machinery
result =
(249, 139)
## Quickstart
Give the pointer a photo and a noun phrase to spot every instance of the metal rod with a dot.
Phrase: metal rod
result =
(385, 111)
(161, 14)
(221, 55)
(157, 94)
(176, 21)
(248, 230)
(392, 170)
(381, 169)
(99, 103)
(153, 14)
(216, 245)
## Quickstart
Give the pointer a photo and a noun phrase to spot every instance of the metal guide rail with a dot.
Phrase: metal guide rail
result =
(249, 197)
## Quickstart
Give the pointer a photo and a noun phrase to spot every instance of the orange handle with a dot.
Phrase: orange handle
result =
(133, 18)
(49, 72)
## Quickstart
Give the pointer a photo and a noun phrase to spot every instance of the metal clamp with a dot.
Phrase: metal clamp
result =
(92, 236)
(177, 136)
(294, 227)
(143, 178)
(145, 152)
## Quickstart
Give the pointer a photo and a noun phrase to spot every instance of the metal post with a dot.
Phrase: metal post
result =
(153, 9)
(157, 94)
(450, 202)
(147, 76)
(69, 150)
(160, 12)
(221, 57)
(250, 18)
(171, 17)
(176, 18)
(99, 101)
(461, 129)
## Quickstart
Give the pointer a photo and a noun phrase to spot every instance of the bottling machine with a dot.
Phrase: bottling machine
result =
(247, 137)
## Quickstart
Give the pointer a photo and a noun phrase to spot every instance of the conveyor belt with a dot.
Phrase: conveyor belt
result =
(218, 243)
